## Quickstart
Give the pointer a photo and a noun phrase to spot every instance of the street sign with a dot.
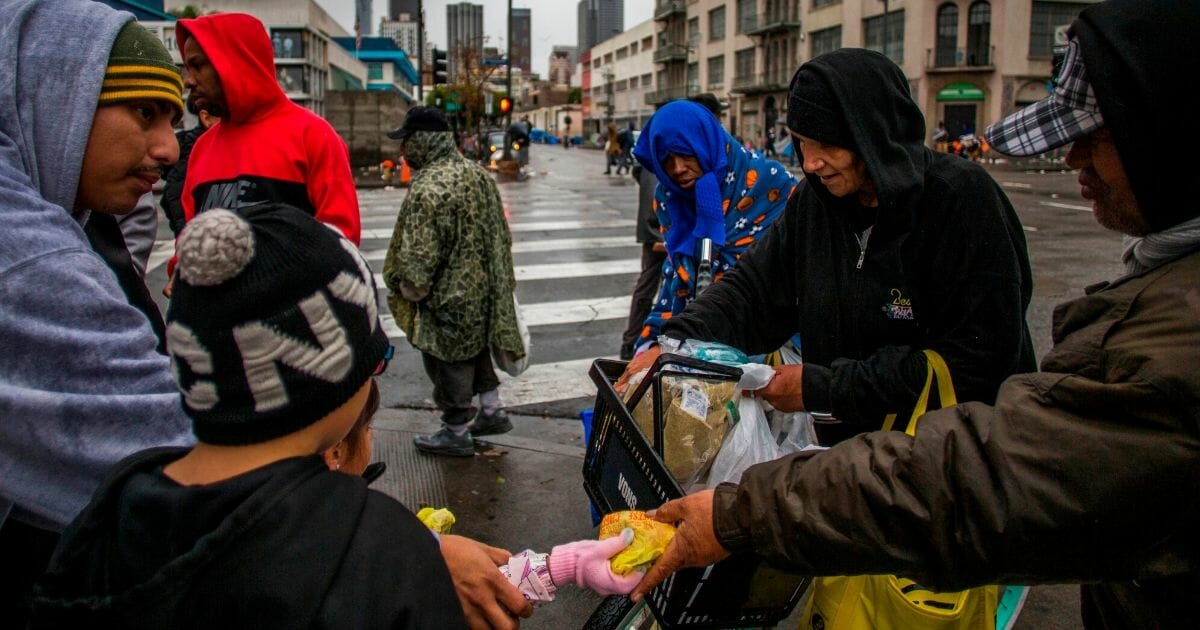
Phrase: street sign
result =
(493, 62)
(453, 107)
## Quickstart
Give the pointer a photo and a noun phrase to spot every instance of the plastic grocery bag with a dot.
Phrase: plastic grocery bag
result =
(749, 443)
(505, 360)
(650, 539)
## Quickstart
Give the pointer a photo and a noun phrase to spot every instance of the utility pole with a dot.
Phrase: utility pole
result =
(508, 88)
(420, 52)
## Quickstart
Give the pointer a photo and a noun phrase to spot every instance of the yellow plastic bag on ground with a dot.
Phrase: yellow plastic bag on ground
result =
(439, 520)
(650, 539)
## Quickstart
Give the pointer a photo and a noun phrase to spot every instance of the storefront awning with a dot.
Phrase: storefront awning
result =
(960, 92)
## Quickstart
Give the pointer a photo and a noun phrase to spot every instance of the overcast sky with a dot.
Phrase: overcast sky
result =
(553, 21)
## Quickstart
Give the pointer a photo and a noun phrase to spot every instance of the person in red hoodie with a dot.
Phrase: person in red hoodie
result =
(266, 148)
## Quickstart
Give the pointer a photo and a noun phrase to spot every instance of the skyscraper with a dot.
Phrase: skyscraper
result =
(562, 63)
(599, 20)
(396, 7)
(522, 23)
(464, 31)
(362, 17)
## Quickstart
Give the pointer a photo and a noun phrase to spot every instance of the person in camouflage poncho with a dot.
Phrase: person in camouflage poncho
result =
(449, 270)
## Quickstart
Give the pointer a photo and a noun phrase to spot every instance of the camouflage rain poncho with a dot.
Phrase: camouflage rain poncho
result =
(452, 238)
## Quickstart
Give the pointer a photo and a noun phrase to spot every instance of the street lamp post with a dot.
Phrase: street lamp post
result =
(508, 88)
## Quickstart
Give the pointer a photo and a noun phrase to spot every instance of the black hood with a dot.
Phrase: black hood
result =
(868, 93)
(1141, 59)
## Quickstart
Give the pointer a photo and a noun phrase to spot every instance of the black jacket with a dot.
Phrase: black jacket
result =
(173, 176)
(290, 545)
(944, 267)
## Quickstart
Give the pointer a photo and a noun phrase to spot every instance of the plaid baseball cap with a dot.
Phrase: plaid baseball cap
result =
(1069, 114)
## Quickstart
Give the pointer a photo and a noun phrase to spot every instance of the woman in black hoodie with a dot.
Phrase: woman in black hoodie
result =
(890, 249)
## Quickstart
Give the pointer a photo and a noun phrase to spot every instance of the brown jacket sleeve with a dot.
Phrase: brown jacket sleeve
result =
(1066, 479)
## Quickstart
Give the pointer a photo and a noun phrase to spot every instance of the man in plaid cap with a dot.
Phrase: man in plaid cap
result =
(1084, 472)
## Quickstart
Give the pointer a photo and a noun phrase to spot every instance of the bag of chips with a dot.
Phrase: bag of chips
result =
(650, 539)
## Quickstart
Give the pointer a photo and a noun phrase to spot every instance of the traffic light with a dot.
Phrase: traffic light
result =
(440, 74)
(505, 105)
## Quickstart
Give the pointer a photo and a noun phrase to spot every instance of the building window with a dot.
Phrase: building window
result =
(633, 48)
(596, 63)
(979, 34)
(622, 53)
(743, 64)
(292, 79)
(716, 24)
(607, 58)
(817, 4)
(826, 40)
(693, 36)
(716, 72)
(693, 78)
(288, 44)
(621, 85)
(885, 34)
(647, 43)
(947, 35)
(747, 15)
(1046, 17)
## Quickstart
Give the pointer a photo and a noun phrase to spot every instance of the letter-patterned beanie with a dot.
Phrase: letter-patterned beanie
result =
(273, 323)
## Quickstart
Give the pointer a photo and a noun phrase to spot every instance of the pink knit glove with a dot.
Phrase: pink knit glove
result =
(586, 563)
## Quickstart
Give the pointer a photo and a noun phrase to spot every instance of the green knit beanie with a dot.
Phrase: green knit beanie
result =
(140, 67)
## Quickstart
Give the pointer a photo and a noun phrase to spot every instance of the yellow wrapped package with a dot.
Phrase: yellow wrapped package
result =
(439, 520)
(650, 539)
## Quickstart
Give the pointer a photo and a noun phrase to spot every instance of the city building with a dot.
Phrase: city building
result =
(388, 67)
(562, 61)
(598, 21)
(307, 61)
(396, 8)
(405, 31)
(968, 62)
(522, 27)
(143, 10)
(619, 79)
(362, 17)
(464, 34)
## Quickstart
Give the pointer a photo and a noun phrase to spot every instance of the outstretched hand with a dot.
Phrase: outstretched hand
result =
(488, 599)
(641, 362)
(785, 391)
(588, 563)
(695, 542)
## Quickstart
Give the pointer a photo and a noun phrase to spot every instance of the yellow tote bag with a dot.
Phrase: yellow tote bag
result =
(887, 602)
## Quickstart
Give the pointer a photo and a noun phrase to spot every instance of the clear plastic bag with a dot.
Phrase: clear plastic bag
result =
(749, 443)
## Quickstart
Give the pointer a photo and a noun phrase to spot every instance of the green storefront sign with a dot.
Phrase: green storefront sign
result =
(960, 92)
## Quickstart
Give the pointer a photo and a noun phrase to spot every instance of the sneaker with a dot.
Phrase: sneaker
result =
(446, 442)
(494, 424)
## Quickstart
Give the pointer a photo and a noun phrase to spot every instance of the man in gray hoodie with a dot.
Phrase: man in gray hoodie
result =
(87, 101)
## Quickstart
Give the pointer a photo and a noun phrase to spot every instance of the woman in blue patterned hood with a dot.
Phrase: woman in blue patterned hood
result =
(709, 188)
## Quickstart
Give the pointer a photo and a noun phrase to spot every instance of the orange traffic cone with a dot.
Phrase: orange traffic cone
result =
(405, 173)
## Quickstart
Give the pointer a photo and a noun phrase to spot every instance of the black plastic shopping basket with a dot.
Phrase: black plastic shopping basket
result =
(624, 470)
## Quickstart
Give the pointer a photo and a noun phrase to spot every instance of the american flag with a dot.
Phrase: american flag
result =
(357, 35)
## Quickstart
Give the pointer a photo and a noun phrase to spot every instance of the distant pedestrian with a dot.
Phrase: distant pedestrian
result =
(612, 149)
(769, 144)
(940, 136)
(625, 142)
(449, 270)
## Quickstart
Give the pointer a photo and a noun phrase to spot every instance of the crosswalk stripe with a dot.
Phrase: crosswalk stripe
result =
(1066, 206)
(537, 226)
(545, 382)
(550, 313)
(559, 271)
(162, 252)
(553, 245)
